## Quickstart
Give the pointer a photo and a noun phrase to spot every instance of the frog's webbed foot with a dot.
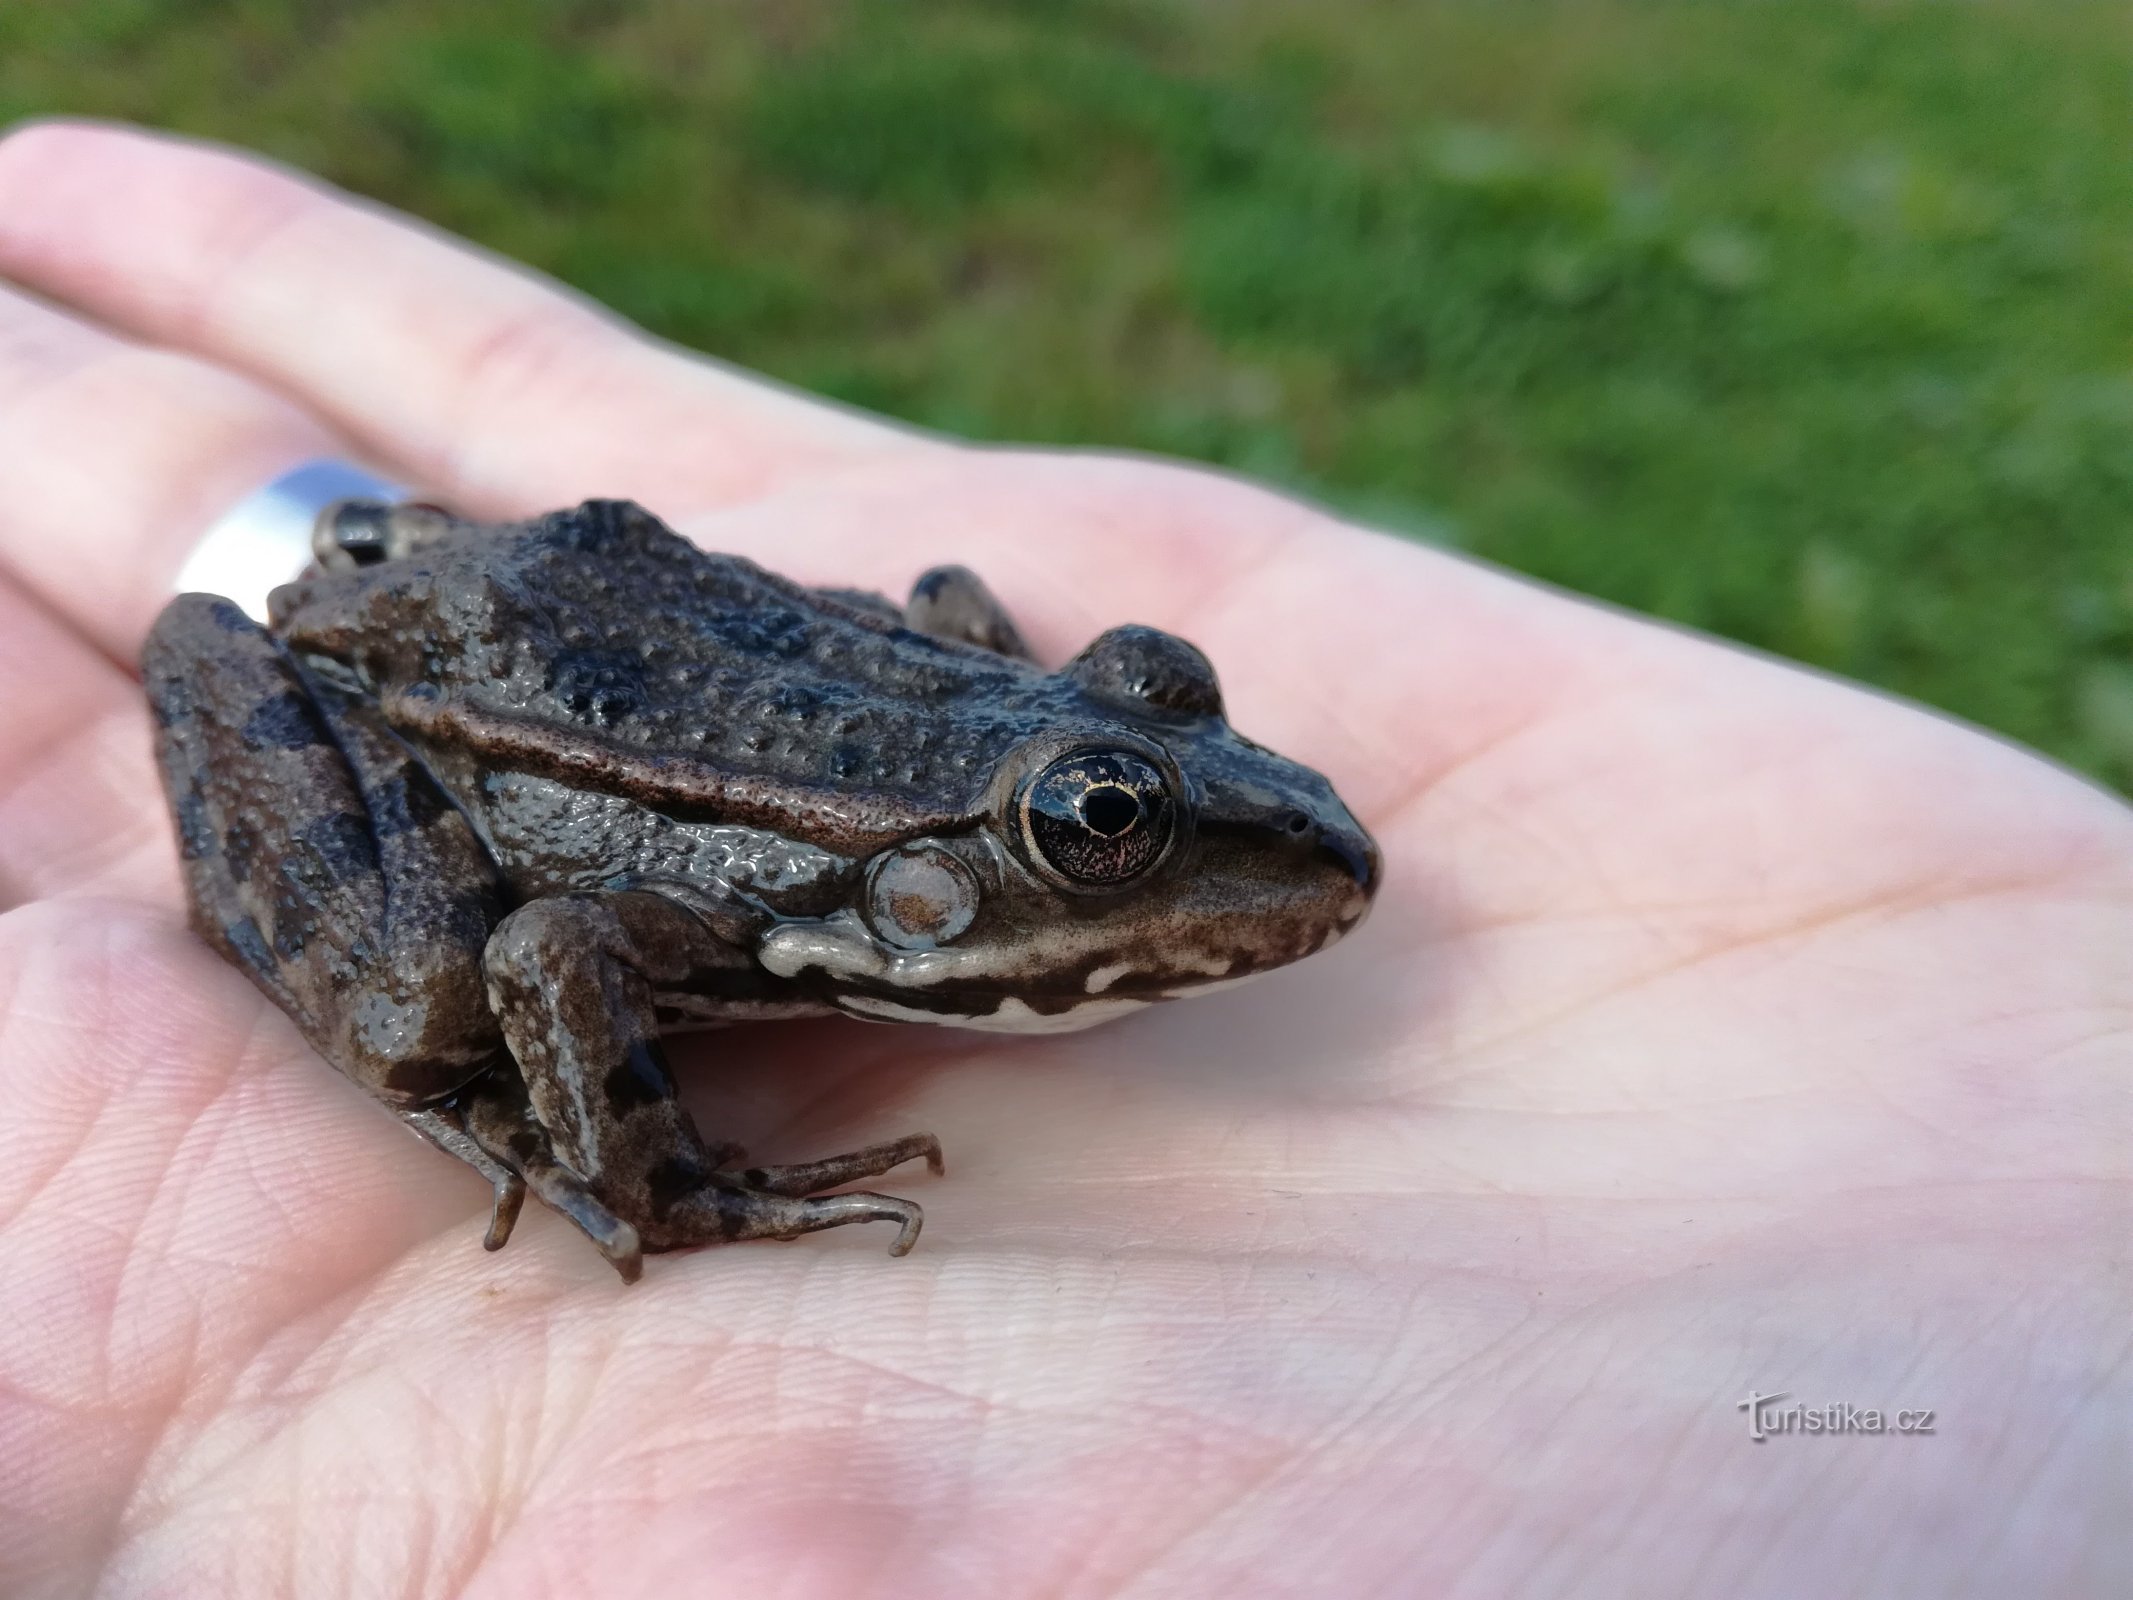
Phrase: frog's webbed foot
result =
(784, 1202)
(953, 603)
(722, 1210)
(776, 1203)
(500, 1138)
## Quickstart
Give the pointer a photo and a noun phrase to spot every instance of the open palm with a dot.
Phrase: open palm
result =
(1719, 1029)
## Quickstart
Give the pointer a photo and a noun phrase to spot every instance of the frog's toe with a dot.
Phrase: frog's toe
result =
(812, 1177)
(727, 1211)
(787, 1218)
(503, 1215)
(614, 1238)
(624, 1251)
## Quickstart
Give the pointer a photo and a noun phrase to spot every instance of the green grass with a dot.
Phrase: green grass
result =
(1808, 323)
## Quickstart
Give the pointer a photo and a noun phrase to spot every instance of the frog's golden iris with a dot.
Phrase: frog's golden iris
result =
(1099, 819)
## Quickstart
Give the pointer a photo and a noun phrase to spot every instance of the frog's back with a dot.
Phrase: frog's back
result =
(601, 632)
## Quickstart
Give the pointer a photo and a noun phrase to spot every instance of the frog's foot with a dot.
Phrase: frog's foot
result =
(953, 603)
(785, 1202)
(504, 1137)
(725, 1210)
(565, 1192)
(443, 1128)
(361, 533)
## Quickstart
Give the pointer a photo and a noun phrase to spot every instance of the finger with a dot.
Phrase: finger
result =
(118, 456)
(80, 810)
(475, 379)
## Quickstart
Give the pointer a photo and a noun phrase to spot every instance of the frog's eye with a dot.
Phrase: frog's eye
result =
(1099, 818)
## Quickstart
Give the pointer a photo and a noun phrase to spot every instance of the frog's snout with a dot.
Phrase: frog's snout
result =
(1333, 838)
(1354, 852)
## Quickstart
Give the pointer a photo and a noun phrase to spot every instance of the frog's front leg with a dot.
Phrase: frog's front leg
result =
(574, 979)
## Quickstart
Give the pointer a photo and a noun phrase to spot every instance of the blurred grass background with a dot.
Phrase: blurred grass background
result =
(1808, 323)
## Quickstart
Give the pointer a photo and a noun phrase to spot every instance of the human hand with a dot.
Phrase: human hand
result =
(1719, 1028)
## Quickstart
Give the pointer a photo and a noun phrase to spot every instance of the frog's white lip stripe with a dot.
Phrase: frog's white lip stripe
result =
(1009, 1016)
(264, 540)
(1103, 977)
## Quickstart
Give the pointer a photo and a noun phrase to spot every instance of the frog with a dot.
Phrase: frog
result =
(491, 810)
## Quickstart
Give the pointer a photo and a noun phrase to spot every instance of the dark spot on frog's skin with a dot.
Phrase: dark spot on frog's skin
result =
(639, 1079)
(292, 930)
(604, 686)
(230, 619)
(793, 700)
(525, 1145)
(474, 909)
(244, 938)
(405, 803)
(240, 849)
(411, 1078)
(774, 631)
(342, 843)
(196, 835)
(672, 1181)
(284, 722)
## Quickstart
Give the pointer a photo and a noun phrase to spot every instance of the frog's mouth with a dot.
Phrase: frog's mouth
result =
(851, 970)
(1037, 1013)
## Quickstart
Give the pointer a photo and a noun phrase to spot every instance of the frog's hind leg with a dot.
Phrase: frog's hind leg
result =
(948, 603)
(362, 533)
(953, 603)
(322, 860)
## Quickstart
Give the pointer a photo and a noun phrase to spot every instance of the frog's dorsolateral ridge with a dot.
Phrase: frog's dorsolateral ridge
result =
(487, 810)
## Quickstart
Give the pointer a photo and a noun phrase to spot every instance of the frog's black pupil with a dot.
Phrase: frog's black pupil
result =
(1099, 818)
(1110, 810)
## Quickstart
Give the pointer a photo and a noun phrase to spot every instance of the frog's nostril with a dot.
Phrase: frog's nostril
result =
(1297, 823)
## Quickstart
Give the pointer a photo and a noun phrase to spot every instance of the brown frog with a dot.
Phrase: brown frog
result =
(487, 810)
